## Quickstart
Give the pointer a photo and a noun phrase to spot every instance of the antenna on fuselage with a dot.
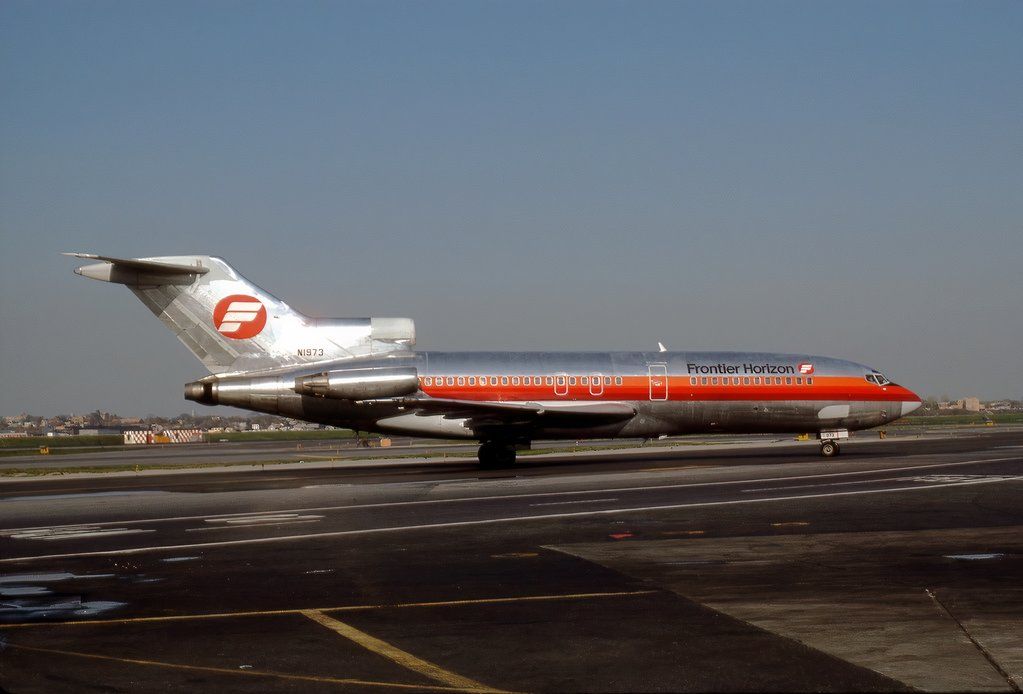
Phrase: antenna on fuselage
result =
(661, 347)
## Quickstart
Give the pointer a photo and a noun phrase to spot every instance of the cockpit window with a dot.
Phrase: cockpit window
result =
(877, 378)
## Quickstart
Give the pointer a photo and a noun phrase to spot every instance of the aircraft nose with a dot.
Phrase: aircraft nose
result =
(911, 405)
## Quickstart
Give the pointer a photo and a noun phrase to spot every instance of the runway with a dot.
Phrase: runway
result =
(756, 567)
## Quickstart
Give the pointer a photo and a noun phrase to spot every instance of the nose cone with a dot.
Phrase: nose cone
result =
(911, 404)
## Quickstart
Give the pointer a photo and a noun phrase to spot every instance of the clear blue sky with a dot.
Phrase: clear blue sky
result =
(836, 178)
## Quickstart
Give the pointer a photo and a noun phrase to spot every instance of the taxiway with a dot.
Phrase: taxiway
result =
(758, 567)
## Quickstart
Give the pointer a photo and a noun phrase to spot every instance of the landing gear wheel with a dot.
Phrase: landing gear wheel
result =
(829, 449)
(495, 455)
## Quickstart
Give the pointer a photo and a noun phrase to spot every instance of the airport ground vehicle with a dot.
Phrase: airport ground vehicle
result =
(363, 373)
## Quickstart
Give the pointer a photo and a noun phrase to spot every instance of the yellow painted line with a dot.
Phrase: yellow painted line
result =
(393, 653)
(246, 673)
(790, 524)
(515, 555)
(342, 608)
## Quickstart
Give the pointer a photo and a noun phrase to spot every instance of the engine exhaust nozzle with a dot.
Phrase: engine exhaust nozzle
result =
(201, 392)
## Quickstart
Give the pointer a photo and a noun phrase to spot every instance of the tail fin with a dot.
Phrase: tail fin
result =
(231, 325)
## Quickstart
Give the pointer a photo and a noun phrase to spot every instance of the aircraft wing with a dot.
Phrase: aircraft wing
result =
(484, 413)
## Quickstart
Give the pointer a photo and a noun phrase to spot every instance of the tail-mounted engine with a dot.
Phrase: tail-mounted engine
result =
(262, 392)
(360, 384)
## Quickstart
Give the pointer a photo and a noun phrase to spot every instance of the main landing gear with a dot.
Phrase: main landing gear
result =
(829, 449)
(496, 455)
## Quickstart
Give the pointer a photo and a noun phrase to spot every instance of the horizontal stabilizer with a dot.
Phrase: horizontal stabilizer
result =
(136, 271)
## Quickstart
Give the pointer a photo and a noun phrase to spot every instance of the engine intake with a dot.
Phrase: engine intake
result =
(360, 384)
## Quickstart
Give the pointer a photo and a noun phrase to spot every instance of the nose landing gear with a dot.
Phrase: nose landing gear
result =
(829, 441)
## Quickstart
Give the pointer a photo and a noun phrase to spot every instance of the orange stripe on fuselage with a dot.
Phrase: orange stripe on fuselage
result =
(829, 388)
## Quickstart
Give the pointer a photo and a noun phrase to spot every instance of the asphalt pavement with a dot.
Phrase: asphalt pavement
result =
(757, 566)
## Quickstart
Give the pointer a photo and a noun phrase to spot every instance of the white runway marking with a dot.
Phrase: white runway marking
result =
(71, 532)
(960, 478)
(494, 521)
(568, 503)
(537, 495)
(266, 518)
(246, 525)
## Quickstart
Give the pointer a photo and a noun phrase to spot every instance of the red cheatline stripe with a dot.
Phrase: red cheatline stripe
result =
(680, 388)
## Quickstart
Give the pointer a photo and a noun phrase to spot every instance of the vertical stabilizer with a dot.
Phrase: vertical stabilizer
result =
(231, 325)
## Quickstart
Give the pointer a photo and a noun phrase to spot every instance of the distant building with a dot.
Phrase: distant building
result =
(965, 404)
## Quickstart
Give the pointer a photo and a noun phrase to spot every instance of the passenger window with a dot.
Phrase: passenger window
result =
(461, 380)
(607, 380)
(515, 380)
(756, 380)
(692, 381)
(777, 380)
(703, 381)
(618, 380)
(451, 380)
(714, 381)
(427, 381)
(493, 380)
(735, 381)
(549, 380)
(472, 380)
(788, 380)
(504, 380)
(571, 380)
(809, 381)
(561, 380)
(799, 381)
(745, 380)
(584, 380)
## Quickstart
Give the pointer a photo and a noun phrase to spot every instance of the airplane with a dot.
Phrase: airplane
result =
(363, 374)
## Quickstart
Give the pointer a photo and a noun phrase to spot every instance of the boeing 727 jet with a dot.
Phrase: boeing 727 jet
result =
(363, 373)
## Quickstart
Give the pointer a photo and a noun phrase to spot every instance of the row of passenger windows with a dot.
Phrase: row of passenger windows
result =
(608, 380)
(748, 380)
(520, 380)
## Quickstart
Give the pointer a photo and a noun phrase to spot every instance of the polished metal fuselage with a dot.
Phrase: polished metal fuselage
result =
(839, 398)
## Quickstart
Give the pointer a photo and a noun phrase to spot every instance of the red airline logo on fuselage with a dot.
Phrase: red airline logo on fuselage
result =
(239, 316)
(806, 369)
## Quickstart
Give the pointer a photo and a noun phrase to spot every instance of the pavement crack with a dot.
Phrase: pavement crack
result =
(983, 651)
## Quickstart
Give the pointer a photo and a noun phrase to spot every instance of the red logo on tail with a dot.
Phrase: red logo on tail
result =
(239, 316)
